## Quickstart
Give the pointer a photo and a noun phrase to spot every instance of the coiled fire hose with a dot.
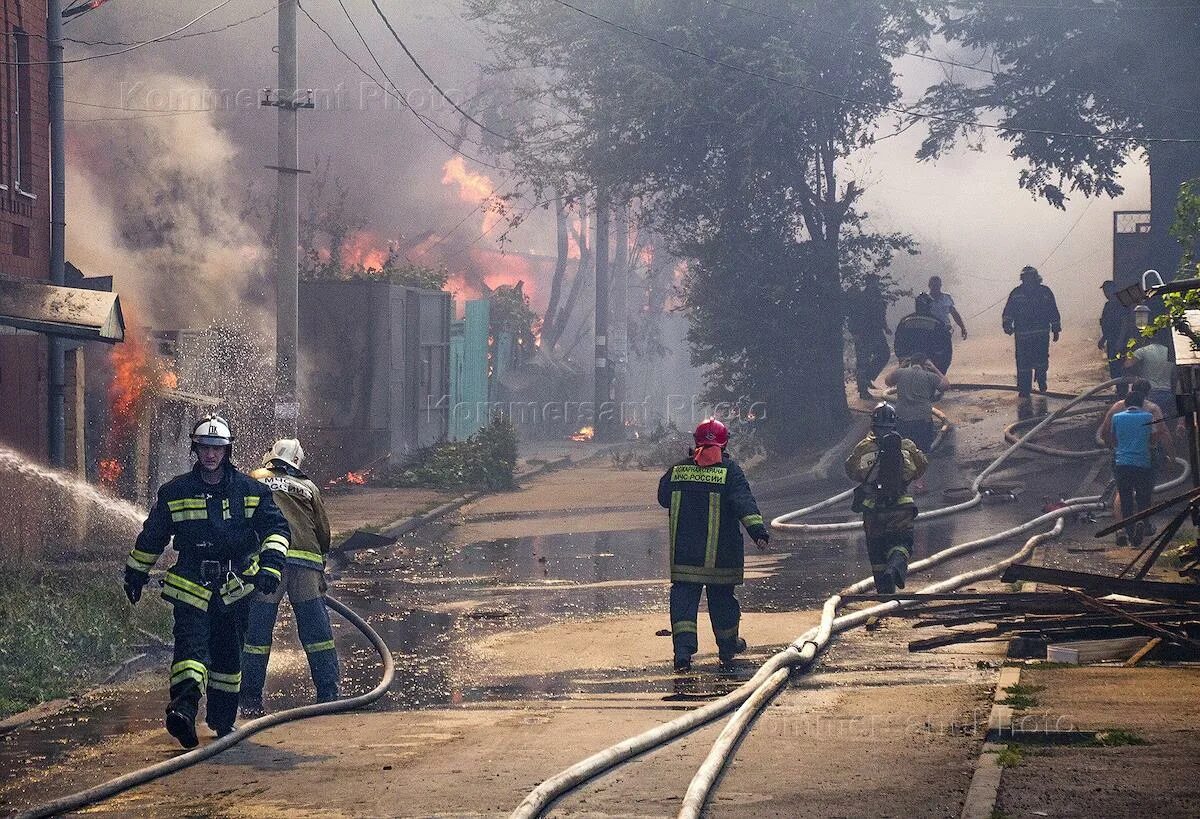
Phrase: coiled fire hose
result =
(142, 776)
(803, 650)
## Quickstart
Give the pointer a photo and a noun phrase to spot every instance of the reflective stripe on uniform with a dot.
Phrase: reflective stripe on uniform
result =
(684, 627)
(725, 633)
(189, 514)
(676, 500)
(700, 574)
(752, 520)
(699, 474)
(235, 589)
(187, 503)
(902, 549)
(278, 575)
(249, 649)
(252, 502)
(225, 682)
(148, 558)
(174, 593)
(714, 529)
(188, 669)
(313, 648)
(277, 542)
(903, 500)
(309, 557)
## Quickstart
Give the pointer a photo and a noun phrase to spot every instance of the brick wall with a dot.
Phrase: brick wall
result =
(24, 222)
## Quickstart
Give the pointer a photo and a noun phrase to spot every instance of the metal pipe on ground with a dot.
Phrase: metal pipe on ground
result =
(91, 796)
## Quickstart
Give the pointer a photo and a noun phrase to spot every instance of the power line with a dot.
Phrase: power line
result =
(136, 116)
(412, 58)
(226, 27)
(881, 106)
(429, 124)
(133, 47)
(147, 110)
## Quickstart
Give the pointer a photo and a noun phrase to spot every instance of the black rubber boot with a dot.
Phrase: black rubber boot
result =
(726, 654)
(183, 728)
(683, 664)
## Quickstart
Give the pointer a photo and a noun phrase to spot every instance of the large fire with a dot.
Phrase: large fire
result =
(472, 187)
(364, 249)
(138, 375)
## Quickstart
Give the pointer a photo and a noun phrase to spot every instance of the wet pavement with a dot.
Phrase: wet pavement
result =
(430, 600)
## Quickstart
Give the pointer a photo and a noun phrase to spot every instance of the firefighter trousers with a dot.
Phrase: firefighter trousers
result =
(305, 592)
(208, 657)
(723, 611)
(1032, 353)
(889, 546)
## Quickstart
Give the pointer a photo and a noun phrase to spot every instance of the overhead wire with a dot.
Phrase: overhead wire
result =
(132, 47)
(186, 36)
(907, 111)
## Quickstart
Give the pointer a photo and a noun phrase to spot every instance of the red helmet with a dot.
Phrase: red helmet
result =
(711, 431)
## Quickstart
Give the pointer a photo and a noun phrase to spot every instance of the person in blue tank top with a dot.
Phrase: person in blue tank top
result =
(1133, 433)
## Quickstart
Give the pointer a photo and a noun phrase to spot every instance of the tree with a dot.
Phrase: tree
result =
(730, 129)
(1080, 88)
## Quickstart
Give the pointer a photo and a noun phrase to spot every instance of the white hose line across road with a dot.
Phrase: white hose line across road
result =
(142, 776)
(801, 652)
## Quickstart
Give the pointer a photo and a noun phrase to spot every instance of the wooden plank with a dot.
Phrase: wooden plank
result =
(1091, 651)
(1141, 653)
(1133, 618)
(1103, 583)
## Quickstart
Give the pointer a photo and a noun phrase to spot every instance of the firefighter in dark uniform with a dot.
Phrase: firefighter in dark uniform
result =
(884, 464)
(922, 333)
(231, 539)
(304, 579)
(709, 498)
(867, 321)
(1031, 316)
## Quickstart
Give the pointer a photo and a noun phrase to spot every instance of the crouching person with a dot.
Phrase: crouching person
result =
(231, 540)
(709, 498)
(304, 578)
(884, 464)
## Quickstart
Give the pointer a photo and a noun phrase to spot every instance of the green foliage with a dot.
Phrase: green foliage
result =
(1186, 230)
(485, 460)
(1021, 696)
(736, 170)
(394, 271)
(65, 631)
(1117, 737)
(1010, 756)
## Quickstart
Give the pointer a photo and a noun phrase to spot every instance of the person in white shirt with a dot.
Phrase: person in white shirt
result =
(943, 310)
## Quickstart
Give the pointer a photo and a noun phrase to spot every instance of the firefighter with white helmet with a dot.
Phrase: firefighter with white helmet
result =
(304, 579)
(709, 499)
(231, 539)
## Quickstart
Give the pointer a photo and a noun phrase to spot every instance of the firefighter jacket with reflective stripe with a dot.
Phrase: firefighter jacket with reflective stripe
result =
(861, 465)
(234, 522)
(708, 504)
(300, 501)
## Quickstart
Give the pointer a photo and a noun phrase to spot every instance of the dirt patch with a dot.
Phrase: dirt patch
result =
(1158, 705)
(368, 506)
(594, 486)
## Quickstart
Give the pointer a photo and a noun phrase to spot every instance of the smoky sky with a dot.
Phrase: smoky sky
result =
(967, 205)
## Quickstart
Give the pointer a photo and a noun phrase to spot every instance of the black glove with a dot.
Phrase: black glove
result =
(135, 581)
(266, 582)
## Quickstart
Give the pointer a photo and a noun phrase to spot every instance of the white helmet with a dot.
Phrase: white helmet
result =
(212, 430)
(287, 450)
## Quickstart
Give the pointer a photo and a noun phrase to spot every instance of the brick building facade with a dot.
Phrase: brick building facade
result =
(24, 218)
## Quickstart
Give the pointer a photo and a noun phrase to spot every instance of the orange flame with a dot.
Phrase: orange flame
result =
(365, 249)
(472, 187)
(110, 471)
(584, 434)
(356, 478)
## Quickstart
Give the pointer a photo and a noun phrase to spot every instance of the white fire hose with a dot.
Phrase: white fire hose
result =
(752, 695)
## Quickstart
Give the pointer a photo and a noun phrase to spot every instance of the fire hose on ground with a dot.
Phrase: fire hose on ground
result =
(148, 774)
(752, 696)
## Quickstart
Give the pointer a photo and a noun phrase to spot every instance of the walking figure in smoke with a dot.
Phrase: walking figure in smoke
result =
(304, 578)
(884, 464)
(922, 334)
(231, 540)
(708, 496)
(867, 321)
(1031, 316)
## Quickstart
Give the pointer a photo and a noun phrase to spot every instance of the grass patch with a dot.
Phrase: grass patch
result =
(1021, 696)
(998, 814)
(1010, 757)
(1115, 738)
(1048, 664)
(65, 630)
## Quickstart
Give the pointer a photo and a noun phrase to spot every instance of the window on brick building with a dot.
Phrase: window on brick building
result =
(22, 159)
